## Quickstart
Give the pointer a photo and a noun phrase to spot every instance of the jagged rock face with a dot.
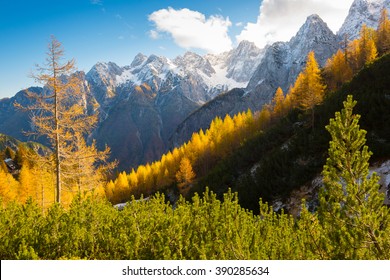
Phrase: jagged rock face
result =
(102, 79)
(192, 62)
(362, 12)
(316, 36)
(279, 66)
(139, 59)
(240, 63)
(284, 61)
(240, 69)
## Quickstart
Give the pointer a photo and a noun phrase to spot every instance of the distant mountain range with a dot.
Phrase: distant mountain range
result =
(156, 103)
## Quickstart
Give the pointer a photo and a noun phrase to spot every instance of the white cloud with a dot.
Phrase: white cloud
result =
(279, 20)
(239, 24)
(154, 34)
(191, 29)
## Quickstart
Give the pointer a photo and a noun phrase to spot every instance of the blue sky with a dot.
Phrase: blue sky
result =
(116, 30)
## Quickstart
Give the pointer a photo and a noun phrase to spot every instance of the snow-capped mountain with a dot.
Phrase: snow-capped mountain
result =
(284, 60)
(201, 78)
(362, 12)
(238, 64)
(143, 103)
(279, 67)
(140, 105)
(154, 99)
(102, 77)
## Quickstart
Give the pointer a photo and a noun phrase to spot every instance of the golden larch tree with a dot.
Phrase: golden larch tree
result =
(363, 50)
(278, 103)
(263, 118)
(60, 115)
(338, 70)
(309, 89)
(185, 176)
(8, 187)
(121, 188)
(27, 185)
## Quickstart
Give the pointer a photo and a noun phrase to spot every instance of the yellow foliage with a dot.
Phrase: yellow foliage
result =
(185, 175)
(201, 153)
(278, 103)
(338, 70)
(383, 33)
(8, 187)
(309, 89)
(27, 185)
(363, 50)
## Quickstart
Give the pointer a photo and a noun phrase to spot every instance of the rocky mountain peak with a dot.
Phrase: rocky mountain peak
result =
(314, 35)
(191, 62)
(313, 29)
(104, 73)
(138, 60)
(243, 60)
(246, 46)
(155, 60)
(362, 12)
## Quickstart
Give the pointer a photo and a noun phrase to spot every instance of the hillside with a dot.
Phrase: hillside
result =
(292, 154)
(13, 144)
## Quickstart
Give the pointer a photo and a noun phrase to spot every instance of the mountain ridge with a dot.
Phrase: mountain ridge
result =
(362, 12)
(184, 94)
(279, 67)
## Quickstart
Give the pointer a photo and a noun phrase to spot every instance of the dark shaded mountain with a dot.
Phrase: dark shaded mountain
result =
(137, 129)
(14, 122)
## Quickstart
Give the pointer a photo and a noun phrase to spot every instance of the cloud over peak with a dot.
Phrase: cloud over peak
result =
(191, 29)
(279, 20)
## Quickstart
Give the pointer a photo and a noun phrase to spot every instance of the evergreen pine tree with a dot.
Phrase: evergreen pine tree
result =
(351, 208)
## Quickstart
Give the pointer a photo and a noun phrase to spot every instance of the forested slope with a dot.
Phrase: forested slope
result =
(292, 153)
